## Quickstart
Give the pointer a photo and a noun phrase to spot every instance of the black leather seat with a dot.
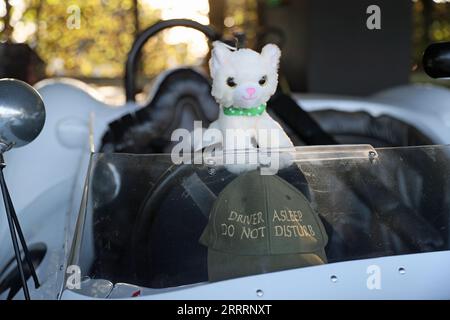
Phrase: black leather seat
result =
(363, 128)
(182, 96)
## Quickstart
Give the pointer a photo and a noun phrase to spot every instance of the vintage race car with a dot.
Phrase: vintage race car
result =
(107, 214)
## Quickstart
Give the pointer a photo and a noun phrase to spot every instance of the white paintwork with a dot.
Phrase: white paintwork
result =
(426, 276)
(55, 156)
(426, 107)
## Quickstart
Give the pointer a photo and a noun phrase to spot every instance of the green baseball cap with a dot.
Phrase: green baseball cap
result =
(261, 223)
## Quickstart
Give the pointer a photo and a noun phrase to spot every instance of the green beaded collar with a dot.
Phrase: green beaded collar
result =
(247, 112)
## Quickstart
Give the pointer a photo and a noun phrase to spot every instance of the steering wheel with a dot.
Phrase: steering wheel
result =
(179, 97)
(144, 36)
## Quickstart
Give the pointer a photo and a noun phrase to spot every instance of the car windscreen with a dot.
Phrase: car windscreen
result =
(149, 222)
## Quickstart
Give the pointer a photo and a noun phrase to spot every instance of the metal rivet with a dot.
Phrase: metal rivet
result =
(333, 279)
(372, 156)
(210, 163)
(259, 293)
(401, 270)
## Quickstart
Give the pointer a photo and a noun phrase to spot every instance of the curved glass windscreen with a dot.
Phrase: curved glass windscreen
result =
(148, 222)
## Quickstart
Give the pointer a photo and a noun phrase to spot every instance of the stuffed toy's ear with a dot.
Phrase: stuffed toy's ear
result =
(272, 54)
(219, 57)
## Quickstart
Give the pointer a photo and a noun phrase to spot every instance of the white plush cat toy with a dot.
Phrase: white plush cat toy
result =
(243, 82)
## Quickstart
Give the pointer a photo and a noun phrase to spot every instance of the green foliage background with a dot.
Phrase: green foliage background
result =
(99, 47)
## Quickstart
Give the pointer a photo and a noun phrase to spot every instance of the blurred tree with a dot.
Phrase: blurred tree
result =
(6, 22)
(242, 16)
(176, 46)
(217, 14)
(98, 48)
(98, 45)
(17, 23)
(18, 20)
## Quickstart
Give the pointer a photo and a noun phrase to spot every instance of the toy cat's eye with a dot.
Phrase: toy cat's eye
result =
(262, 81)
(230, 82)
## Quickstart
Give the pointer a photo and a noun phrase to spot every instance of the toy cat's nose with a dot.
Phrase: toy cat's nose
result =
(250, 91)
